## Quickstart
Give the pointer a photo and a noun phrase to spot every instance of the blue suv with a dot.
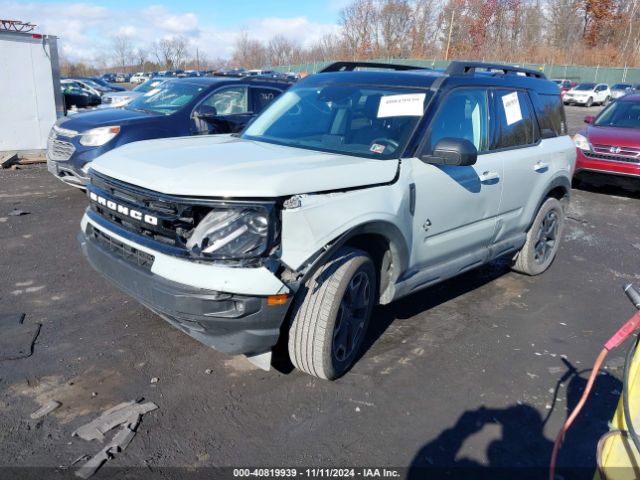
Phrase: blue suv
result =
(180, 107)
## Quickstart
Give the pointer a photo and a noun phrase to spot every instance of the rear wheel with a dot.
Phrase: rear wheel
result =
(607, 101)
(589, 102)
(331, 315)
(543, 239)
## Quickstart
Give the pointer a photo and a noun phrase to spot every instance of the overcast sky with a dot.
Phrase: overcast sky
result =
(85, 29)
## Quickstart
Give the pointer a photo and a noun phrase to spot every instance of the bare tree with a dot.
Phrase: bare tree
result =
(249, 52)
(122, 50)
(282, 51)
(180, 51)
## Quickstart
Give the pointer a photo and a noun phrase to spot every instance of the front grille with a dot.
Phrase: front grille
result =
(611, 158)
(632, 152)
(59, 151)
(175, 217)
(121, 250)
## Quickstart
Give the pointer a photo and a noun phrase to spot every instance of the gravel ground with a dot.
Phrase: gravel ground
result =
(466, 373)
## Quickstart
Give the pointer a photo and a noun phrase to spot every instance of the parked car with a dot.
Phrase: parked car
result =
(620, 90)
(353, 188)
(91, 86)
(139, 77)
(74, 96)
(104, 83)
(93, 96)
(588, 94)
(123, 77)
(610, 144)
(565, 85)
(120, 99)
(178, 107)
(109, 77)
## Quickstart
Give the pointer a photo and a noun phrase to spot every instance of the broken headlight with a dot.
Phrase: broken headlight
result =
(231, 233)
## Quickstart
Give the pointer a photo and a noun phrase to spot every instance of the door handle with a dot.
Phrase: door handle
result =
(541, 167)
(487, 177)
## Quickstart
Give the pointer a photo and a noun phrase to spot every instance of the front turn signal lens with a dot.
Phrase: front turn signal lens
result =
(277, 299)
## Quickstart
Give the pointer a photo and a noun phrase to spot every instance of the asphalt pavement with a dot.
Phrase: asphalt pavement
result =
(478, 372)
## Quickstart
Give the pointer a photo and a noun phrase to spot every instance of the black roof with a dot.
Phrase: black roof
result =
(457, 74)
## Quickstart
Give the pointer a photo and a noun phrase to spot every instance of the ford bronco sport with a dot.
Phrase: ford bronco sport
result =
(360, 185)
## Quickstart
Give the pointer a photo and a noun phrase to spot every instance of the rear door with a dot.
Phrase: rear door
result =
(261, 97)
(528, 162)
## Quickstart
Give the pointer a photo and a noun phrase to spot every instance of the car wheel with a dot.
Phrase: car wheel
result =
(331, 315)
(543, 239)
(607, 101)
(589, 102)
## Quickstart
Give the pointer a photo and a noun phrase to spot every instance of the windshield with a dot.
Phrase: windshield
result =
(167, 98)
(367, 121)
(620, 114)
(147, 86)
(585, 86)
(620, 86)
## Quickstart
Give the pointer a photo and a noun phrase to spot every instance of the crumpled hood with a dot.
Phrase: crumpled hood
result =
(226, 166)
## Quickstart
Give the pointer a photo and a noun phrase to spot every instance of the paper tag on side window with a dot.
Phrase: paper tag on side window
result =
(405, 105)
(512, 108)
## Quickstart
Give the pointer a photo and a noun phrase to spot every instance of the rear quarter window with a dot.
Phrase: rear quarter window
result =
(550, 113)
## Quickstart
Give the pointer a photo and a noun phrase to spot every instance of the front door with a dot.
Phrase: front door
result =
(456, 206)
(226, 110)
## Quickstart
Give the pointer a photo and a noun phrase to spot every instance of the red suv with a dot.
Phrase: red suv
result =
(611, 142)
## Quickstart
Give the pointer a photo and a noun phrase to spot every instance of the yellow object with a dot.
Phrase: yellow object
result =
(619, 459)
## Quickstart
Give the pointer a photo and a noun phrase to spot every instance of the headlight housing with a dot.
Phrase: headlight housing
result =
(233, 233)
(581, 142)
(98, 136)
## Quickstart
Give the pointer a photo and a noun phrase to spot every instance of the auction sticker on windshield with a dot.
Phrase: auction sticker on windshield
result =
(512, 108)
(405, 105)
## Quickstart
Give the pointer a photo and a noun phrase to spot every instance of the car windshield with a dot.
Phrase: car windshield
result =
(167, 98)
(367, 121)
(620, 114)
(585, 86)
(620, 86)
(147, 86)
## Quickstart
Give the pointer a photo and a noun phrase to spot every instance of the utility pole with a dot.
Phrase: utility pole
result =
(197, 59)
(453, 14)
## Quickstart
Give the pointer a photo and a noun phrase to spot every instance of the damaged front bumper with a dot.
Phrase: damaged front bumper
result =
(234, 321)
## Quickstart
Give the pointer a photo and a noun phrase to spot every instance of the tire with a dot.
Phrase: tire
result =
(607, 101)
(543, 239)
(589, 102)
(326, 333)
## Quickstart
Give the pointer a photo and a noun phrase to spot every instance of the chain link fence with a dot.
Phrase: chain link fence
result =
(576, 73)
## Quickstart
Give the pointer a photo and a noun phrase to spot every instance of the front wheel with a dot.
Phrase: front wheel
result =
(331, 315)
(607, 101)
(543, 239)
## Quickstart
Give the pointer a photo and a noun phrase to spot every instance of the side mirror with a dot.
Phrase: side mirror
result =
(589, 119)
(206, 112)
(452, 151)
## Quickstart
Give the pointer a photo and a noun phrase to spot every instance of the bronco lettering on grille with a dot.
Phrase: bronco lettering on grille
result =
(129, 212)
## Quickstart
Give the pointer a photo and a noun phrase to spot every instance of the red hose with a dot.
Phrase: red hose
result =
(576, 411)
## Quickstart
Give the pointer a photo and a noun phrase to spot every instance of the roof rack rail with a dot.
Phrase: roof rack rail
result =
(351, 66)
(469, 68)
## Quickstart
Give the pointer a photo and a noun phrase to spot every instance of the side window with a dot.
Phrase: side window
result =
(229, 101)
(261, 97)
(514, 120)
(463, 114)
(551, 113)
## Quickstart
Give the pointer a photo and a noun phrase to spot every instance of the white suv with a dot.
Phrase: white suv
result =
(354, 188)
(588, 94)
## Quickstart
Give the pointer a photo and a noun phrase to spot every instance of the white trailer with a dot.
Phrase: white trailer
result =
(31, 99)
